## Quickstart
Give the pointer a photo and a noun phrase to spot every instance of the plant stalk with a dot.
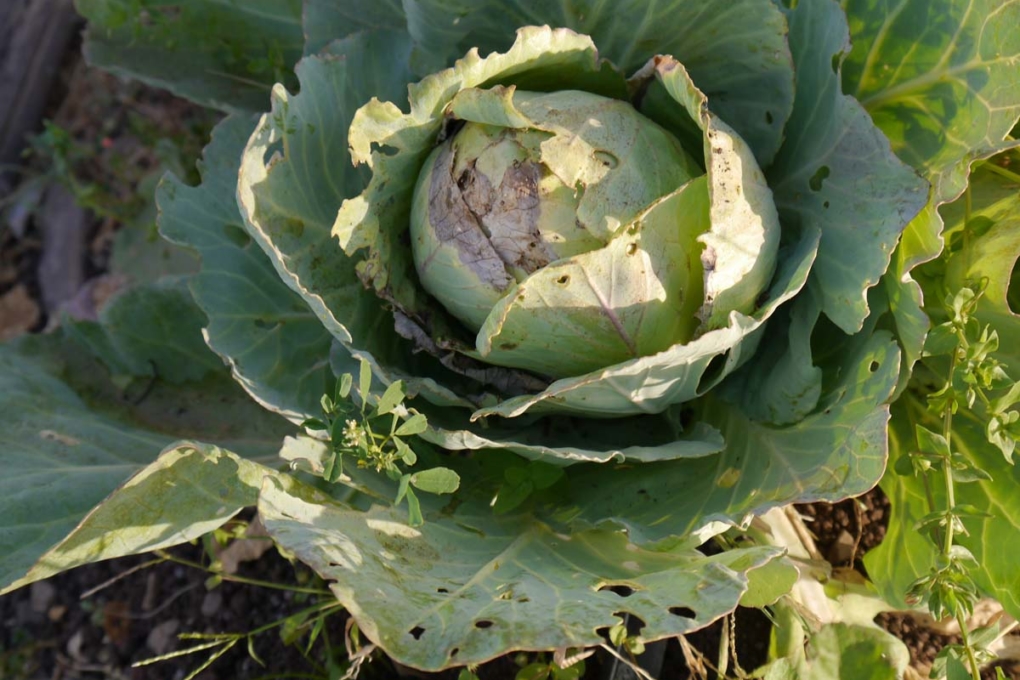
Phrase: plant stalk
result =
(947, 466)
(975, 671)
(242, 579)
(947, 476)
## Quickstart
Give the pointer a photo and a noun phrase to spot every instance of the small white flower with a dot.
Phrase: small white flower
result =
(352, 433)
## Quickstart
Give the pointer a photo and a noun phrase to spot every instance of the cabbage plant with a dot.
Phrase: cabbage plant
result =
(638, 273)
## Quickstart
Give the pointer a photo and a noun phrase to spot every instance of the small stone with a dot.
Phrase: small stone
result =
(41, 595)
(18, 312)
(842, 549)
(212, 602)
(74, 645)
(162, 638)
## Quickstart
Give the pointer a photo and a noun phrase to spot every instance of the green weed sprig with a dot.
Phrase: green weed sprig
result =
(975, 382)
(310, 620)
(376, 438)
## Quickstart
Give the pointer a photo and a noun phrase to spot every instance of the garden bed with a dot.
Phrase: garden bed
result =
(88, 177)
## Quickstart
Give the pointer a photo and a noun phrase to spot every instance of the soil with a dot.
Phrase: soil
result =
(101, 138)
(50, 631)
(99, 620)
(845, 531)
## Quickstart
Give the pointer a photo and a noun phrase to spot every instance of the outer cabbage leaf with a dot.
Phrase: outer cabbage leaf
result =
(736, 52)
(274, 344)
(71, 436)
(190, 490)
(153, 331)
(846, 652)
(770, 583)
(939, 79)
(989, 254)
(469, 585)
(782, 384)
(329, 20)
(139, 257)
(222, 55)
(992, 256)
(902, 295)
(836, 172)
(836, 451)
(295, 172)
